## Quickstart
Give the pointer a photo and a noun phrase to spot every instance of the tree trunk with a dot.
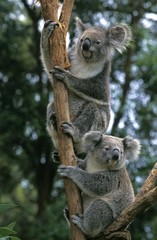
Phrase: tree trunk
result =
(59, 58)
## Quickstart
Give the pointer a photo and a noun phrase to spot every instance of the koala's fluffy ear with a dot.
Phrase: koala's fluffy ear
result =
(119, 36)
(131, 148)
(80, 26)
(91, 139)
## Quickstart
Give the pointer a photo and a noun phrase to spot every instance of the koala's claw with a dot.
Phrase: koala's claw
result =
(55, 157)
(63, 170)
(59, 69)
(49, 27)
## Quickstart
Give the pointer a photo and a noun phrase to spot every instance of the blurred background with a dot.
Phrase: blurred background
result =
(28, 176)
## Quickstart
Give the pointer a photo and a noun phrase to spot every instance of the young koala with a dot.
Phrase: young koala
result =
(103, 179)
(87, 80)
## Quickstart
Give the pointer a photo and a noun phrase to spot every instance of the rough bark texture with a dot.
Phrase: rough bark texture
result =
(59, 58)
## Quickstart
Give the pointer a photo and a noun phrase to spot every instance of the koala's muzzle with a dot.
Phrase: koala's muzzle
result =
(116, 154)
(86, 44)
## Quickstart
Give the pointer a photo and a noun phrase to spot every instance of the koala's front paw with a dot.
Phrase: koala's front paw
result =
(61, 74)
(77, 219)
(65, 171)
(68, 128)
(49, 27)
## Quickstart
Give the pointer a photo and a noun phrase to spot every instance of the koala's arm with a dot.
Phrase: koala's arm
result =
(92, 184)
(82, 87)
(69, 79)
(47, 30)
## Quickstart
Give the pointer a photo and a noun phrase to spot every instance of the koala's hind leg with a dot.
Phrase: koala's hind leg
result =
(95, 219)
(90, 118)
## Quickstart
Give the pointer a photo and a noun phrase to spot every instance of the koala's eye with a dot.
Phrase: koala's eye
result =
(98, 42)
(81, 40)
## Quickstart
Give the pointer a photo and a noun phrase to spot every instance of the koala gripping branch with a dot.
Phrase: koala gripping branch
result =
(59, 58)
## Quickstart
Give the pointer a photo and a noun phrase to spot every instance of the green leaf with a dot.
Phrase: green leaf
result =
(5, 207)
(4, 231)
(9, 238)
(11, 225)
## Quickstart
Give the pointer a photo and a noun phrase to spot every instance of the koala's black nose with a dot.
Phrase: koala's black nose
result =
(86, 44)
(116, 154)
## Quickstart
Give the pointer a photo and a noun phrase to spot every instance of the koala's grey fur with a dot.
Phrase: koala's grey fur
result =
(104, 181)
(87, 80)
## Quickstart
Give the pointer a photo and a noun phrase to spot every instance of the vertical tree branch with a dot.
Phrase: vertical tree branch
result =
(59, 58)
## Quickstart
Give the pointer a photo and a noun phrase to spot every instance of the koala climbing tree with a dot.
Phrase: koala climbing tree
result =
(103, 180)
(87, 80)
(106, 187)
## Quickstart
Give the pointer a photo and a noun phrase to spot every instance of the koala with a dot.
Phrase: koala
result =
(87, 80)
(103, 179)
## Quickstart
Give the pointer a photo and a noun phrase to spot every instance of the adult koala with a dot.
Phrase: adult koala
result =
(87, 80)
(103, 179)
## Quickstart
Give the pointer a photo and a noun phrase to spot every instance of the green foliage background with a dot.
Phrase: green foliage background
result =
(28, 176)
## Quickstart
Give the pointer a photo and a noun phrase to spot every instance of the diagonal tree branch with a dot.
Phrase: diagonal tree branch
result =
(149, 183)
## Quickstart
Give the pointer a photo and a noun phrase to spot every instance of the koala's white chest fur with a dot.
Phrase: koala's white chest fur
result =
(84, 70)
(92, 166)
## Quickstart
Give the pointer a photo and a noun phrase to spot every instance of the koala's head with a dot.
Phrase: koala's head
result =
(97, 44)
(110, 152)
